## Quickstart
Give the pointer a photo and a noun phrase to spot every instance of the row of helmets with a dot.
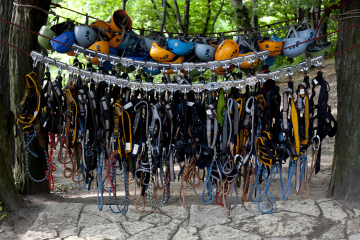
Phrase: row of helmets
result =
(116, 37)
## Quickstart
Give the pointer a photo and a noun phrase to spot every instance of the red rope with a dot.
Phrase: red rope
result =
(33, 32)
(334, 6)
(342, 51)
(15, 47)
(339, 30)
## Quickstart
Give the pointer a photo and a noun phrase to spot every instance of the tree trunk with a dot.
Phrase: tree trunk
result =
(217, 15)
(254, 17)
(207, 16)
(345, 176)
(163, 18)
(186, 16)
(123, 5)
(242, 19)
(20, 65)
(8, 193)
(178, 17)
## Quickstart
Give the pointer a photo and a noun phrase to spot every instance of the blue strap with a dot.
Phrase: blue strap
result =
(113, 178)
(30, 138)
(100, 189)
(269, 198)
(208, 186)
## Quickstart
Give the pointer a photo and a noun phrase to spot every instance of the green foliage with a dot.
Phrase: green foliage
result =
(2, 215)
(146, 14)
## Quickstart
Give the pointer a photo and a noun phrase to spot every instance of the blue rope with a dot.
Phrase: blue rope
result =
(257, 187)
(83, 187)
(27, 149)
(268, 195)
(285, 193)
(113, 178)
(208, 186)
(100, 189)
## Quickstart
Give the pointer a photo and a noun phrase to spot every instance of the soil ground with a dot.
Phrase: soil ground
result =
(16, 223)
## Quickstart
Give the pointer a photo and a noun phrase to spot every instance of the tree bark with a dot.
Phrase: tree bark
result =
(254, 17)
(20, 65)
(207, 17)
(123, 5)
(163, 18)
(242, 19)
(178, 17)
(8, 193)
(345, 175)
(186, 16)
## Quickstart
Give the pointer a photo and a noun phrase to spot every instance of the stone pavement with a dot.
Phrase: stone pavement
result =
(307, 219)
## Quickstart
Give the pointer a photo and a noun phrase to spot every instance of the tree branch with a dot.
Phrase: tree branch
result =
(123, 4)
(186, 16)
(207, 17)
(242, 19)
(217, 15)
(168, 6)
(163, 18)
(178, 17)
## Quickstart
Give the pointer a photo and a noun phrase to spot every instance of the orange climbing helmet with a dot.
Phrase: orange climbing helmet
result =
(247, 65)
(272, 46)
(159, 54)
(226, 50)
(100, 46)
(116, 41)
(102, 27)
(119, 20)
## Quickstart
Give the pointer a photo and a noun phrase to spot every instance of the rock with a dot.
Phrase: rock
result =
(92, 216)
(357, 212)
(207, 215)
(292, 238)
(67, 232)
(241, 213)
(74, 238)
(136, 227)
(304, 207)
(132, 215)
(323, 200)
(336, 232)
(156, 218)
(281, 224)
(252, 208)
(105, 231)
(188, 234)
(158, 233)
(225, 232)
(354, 237)
(353, 226)
(58, 216)
(332, 211)
(176, 212)
(40, 234)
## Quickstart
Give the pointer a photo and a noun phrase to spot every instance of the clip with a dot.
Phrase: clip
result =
(262, 77)
(238, 60)
(226, 85)
(263, 54)
(288, 71)
(317, 61)
(185, 88)
(127, 62)
(173, 87)
(160, 87)
(147, 86)
(251, 81)
(176, 67)
(78, 49)
(212, 65)
(239, 84)
(48, 61)
(274, 75)
(134, 85)
(188, 66)
(212, 86)
(198, 87)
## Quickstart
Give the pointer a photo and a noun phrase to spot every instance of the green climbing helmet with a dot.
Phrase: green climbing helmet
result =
(44, 42)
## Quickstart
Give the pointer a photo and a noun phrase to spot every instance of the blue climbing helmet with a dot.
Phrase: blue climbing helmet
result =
(293, 51)
(130, 39)
(85, 36)
(67, 38)
(204, 51)
(107, 64)
(180, 48)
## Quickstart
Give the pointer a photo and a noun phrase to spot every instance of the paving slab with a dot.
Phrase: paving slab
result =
(333, 211)
(336, 232)
(226, 232)
(207, 215)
